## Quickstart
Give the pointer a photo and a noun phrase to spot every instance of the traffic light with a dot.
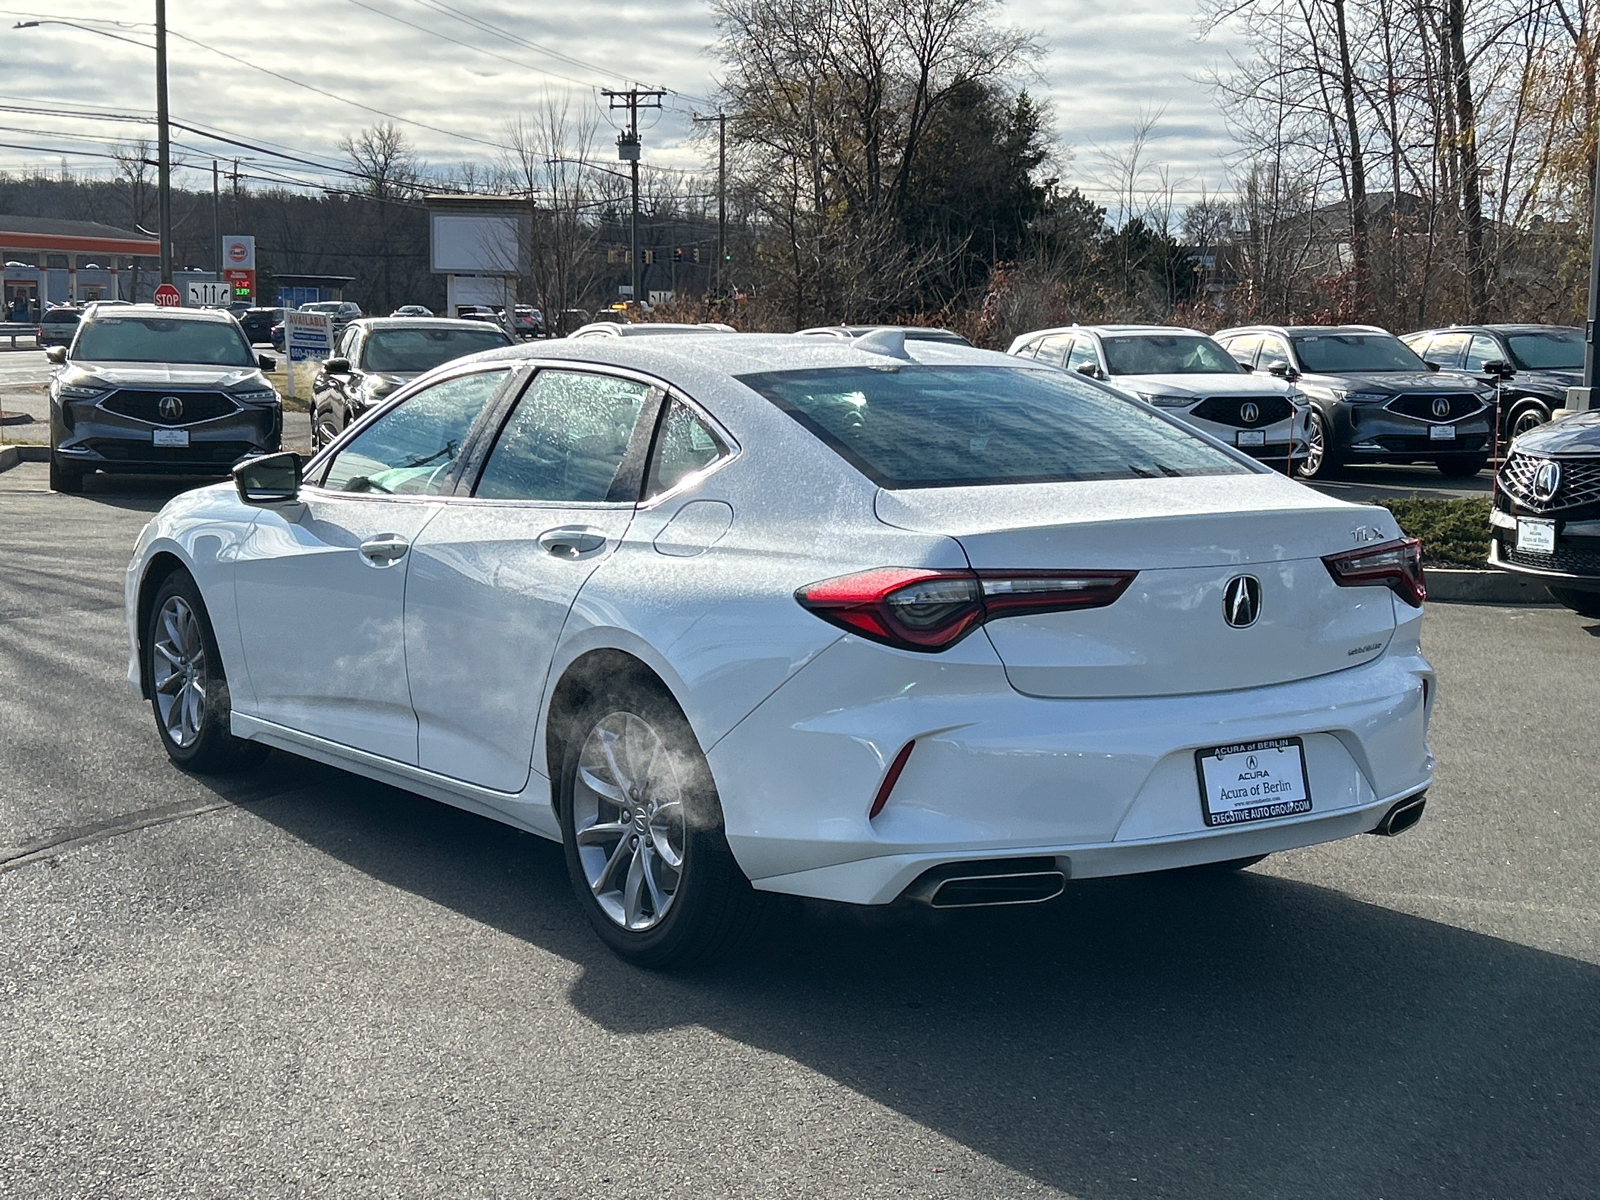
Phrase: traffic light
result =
(649, 257)
(677, 254)
(697, 254)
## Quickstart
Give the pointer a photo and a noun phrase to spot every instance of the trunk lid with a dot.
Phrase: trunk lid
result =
(1187, 538)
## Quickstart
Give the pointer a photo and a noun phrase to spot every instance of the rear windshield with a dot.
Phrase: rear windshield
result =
(416, 350)
(58, 316)
(1335, 352)
(955, 426)
(1551, 350)
(162, 340)
(1168, 354)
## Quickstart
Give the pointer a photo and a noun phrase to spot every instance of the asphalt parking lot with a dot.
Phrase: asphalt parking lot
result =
(299, 983)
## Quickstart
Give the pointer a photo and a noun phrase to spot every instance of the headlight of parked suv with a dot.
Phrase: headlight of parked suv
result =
(1363, 397)
(256, 396)
(1166, 400)
(82, 391)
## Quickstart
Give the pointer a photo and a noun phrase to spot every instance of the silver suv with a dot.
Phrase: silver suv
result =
(148, 390)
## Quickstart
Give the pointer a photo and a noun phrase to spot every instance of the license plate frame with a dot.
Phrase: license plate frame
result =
(1536, 536)
(1264, 789)
(175, 438)
(1251, 437)
(1441, 433)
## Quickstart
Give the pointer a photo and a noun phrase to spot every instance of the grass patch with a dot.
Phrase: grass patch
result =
(1454, 533)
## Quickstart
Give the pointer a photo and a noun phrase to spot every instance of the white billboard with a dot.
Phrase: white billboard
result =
(476, 243)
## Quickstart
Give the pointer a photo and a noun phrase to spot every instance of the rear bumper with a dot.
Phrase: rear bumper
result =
(1108, 785)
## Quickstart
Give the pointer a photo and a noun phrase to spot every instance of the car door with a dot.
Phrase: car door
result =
(492, 577)
(321, 582)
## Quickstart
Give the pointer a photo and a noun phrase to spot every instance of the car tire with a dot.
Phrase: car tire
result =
(63, 478)
(1586, 604)
(188, 689)
(1321, 459)
(1526, 417)
(1461, 466)
(327, 423)
(635, 793)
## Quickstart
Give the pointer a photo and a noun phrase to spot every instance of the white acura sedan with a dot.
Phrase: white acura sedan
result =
(855, 620)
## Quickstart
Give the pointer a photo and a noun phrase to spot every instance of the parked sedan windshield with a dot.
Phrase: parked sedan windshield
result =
(1333, 353)
(954, 426)
(1548, 350)
(410, 351)
(162, 340)
(1168, 354)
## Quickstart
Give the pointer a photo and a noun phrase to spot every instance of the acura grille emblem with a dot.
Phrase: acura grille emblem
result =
(1249, 413)
(1241, 601)
(170, 408)
(1546, 482)
(1441, 407)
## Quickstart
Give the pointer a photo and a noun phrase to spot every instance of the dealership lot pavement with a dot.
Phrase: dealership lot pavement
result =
(302, 984)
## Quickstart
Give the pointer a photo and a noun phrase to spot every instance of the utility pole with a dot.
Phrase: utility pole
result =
(628, 151)
(216, 218)
(722, 196)
(163, 142)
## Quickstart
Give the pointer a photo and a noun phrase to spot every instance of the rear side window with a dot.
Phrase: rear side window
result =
(684, 446)
(954, 426)
(568, 440)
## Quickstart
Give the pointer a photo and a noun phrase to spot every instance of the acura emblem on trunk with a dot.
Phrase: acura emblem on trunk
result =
(1441, 407)
(1546, 482)
(170, 408)
(1241, 601)
(1248, 412)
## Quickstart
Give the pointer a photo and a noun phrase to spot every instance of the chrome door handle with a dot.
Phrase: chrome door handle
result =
(384, 550)
(576, 541)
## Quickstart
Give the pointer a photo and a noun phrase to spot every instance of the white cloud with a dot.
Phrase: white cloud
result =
(1107, 61)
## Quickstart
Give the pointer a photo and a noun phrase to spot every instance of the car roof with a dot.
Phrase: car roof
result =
(421, 323)
(1304, 330)
(1527, 327)
(654, 328)
(181, 314)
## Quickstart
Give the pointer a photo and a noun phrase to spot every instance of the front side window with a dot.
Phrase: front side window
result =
(1447, 349)
(162, 340)
(567, 440)
(954, 426)
(1547, 350)
(409, 450)
(1243, 348)
(1053, 350)
(1083, 355)
(684, 445)
(412, 351)
(1332, 353)
(1167, 354)
(1274, 355)
(1484, 350)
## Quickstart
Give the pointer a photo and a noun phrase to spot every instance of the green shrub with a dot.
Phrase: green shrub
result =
(1454, 533)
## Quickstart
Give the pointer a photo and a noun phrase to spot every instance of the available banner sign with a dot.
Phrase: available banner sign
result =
(306, 336)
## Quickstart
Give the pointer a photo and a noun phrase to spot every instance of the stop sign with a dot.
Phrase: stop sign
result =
(167, 296)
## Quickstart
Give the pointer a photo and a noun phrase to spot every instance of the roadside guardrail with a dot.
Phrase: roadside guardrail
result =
(16, 329)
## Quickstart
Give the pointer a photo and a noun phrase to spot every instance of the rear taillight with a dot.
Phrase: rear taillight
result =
(1396, 565)
(915, 609)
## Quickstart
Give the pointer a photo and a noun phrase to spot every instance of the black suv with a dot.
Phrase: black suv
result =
(1546, 517)
(1372, 399)
(374, 356)
(1543, 361)
(148, 390)
(258, 322)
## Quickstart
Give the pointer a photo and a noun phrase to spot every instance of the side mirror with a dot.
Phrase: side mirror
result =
(266, 362)
(336, 366)
(1089, 369)
(1283, 371)
(1499, 368)
(1432, 366)
(57, 355)
(268, 478)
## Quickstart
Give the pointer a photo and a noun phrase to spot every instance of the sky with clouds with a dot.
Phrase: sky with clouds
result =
(453, 70)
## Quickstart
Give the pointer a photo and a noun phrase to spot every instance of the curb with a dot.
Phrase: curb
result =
(10, 456)
(1461, 586)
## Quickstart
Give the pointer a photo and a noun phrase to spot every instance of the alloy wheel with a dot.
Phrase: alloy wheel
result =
(179, 662)
(628, 820)
(1528, 418)
(1316, 446)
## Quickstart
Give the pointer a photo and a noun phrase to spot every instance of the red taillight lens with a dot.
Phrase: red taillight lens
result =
(926, 610)
(1396, 565)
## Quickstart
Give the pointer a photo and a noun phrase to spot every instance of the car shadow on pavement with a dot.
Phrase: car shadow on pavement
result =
(141, 493)
(1148, 1036)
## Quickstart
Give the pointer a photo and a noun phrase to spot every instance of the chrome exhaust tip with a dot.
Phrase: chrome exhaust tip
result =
(1402, 816)
(986, 884)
